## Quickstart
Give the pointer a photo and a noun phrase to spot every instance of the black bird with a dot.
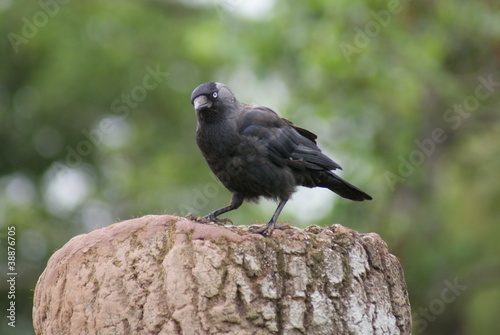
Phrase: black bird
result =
(255, 153)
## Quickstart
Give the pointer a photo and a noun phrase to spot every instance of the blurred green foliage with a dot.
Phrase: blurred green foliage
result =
(96, 127)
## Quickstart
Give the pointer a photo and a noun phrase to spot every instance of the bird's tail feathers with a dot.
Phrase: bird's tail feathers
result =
(343, 188)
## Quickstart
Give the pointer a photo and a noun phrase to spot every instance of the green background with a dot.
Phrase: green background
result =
(96, 127)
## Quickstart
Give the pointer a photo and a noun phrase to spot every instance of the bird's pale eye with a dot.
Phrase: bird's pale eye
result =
(214, 95)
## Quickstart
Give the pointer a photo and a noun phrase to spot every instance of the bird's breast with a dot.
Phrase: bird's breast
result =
(216, 140)
(225, 150)
(242, 164)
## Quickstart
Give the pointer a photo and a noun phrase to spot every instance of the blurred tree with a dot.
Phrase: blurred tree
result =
(96, 126)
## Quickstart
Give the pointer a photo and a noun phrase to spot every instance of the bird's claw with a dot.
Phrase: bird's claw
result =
(220, 222)
(208, 219)
(268, 229)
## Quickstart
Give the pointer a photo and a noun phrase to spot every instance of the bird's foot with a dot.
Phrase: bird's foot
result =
(208, 219)
(220, 222)
(268, 229)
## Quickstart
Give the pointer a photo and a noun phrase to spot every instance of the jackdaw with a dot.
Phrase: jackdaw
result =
(254, 152)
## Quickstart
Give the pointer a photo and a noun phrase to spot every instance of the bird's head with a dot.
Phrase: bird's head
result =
(212, 97)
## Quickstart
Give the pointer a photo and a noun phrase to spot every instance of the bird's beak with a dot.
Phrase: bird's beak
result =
(201, 102)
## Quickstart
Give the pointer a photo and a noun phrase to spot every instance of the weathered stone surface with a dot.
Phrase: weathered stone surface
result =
(168, 275)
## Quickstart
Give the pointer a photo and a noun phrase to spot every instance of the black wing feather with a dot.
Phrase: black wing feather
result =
(287, 144)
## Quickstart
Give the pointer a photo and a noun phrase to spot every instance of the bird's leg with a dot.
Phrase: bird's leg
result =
(268, 229)
(236, 202)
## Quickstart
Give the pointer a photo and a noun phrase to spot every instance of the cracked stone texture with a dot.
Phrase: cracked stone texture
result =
(164, 274)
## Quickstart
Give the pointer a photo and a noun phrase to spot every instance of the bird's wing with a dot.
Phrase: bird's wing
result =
(287, 144)
(304, 132)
